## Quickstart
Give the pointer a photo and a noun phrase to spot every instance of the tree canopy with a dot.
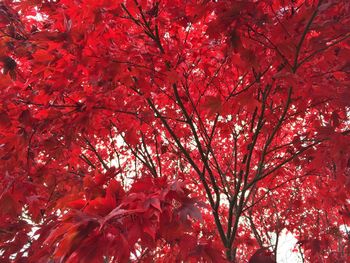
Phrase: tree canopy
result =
(174, 131)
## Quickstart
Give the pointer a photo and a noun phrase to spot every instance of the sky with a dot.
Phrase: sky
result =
(285, 248)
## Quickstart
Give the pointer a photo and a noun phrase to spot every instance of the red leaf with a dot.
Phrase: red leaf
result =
(5, 121)
(262, 255)
(212, 104)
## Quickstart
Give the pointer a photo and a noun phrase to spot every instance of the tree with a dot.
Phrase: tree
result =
(174, 131)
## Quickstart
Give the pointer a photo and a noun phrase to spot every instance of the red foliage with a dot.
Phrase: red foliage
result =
(174, 131)
(262, 256)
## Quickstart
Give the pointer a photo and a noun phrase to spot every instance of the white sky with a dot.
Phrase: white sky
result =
(285, 248)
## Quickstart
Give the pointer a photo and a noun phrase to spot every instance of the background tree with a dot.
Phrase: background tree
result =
(144, 131)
